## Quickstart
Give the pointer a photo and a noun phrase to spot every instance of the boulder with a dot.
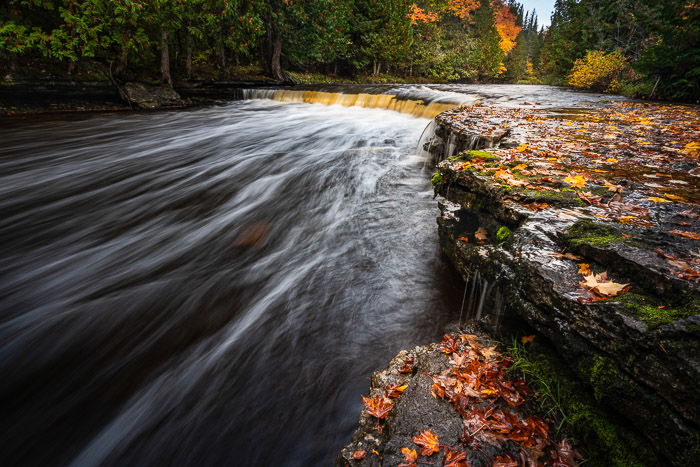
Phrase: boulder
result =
(151, 97)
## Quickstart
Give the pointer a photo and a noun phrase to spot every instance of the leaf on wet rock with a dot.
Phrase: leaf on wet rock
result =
(407, 366)
(657, 199)
(429, 442)
(359, 454)
(575, 181)
(394, 390)
(600, 285)
(378, 407)
(584, 269)
(683, 233)
(409, 456)
(481, 236)
(454, 458)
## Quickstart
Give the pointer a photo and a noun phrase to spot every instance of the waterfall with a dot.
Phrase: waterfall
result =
(418, 108)
(486, 304)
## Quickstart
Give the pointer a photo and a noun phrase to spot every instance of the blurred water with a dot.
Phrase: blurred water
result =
(211, 286)
(215, 286)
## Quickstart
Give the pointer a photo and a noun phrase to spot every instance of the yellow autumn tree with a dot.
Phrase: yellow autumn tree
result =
(598, 71)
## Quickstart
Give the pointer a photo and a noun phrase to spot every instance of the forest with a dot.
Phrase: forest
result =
(643, 48)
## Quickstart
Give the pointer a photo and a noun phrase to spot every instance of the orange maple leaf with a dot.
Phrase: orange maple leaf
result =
(429, 441)
(378, 407)
(410, 456)
(575, 181)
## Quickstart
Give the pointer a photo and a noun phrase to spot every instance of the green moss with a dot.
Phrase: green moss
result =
(437, 178)
(567, 198)
(470, 155)
(503, 233)
(591, 233)
(603, 440)
(646, 309)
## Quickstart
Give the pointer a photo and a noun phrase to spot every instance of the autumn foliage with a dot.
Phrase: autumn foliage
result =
(599, 71)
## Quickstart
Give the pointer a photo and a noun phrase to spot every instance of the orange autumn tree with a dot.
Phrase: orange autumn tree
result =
(462, 9)
(506, 25)
(419, 15)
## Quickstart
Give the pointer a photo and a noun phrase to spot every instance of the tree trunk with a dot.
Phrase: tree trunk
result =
(275, 58)
(188, 56)
(166, 78)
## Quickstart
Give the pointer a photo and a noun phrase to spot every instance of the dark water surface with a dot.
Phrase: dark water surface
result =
(211, 286)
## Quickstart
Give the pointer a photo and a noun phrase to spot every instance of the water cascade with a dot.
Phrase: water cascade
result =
(419, 108)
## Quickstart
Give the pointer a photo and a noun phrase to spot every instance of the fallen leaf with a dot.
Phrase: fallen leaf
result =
(429, 441)
(584, 269)
(359, 454)
(576, 181)
(407, 366)
(656, 199)
(600, 284)
(527, 339)
(683, 233)
(463, 239)
(378, 407)
(409, 456)
(454, 458)
(481, 236)
(393, 390)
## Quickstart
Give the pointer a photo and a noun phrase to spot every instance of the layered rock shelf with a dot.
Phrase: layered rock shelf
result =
(584, 225)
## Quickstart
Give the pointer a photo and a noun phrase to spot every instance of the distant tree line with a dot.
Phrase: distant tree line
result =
(435, 39)
(642, 47)
(639, 47)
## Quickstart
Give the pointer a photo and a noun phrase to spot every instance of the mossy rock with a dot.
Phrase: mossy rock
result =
(604, 440)
(436, 178)
(586, 232)
(471, 155)
(557, 198)
(503, 233)
(654, 312)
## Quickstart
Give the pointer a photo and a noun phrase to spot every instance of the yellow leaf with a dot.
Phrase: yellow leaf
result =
(676, 197)
(584, 269)
(576, 181)
(610, 159)
(527, 339)
(691, 147)
(520, 167)
(656, 199)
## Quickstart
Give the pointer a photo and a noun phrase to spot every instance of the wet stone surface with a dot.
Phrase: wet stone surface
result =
(588, 223)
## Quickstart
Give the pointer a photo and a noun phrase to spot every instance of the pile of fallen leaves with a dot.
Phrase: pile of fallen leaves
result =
(478, 387)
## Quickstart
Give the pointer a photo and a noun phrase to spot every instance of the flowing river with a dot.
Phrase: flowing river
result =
(215, 286)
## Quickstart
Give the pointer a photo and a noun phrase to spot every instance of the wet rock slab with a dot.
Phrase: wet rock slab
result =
(566, 199)
(459, 392)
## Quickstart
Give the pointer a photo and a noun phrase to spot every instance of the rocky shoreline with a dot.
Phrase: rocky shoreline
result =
(52, 96)
(585, 225)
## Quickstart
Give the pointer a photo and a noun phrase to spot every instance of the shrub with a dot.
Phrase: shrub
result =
(598, 71)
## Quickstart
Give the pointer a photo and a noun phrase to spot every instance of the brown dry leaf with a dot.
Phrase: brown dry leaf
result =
(429, 441)
(481, 236)
(612, 187)
(600, 285)
(683, 233)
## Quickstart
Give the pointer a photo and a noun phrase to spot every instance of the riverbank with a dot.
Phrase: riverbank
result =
(59, 96)
(583, 225)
